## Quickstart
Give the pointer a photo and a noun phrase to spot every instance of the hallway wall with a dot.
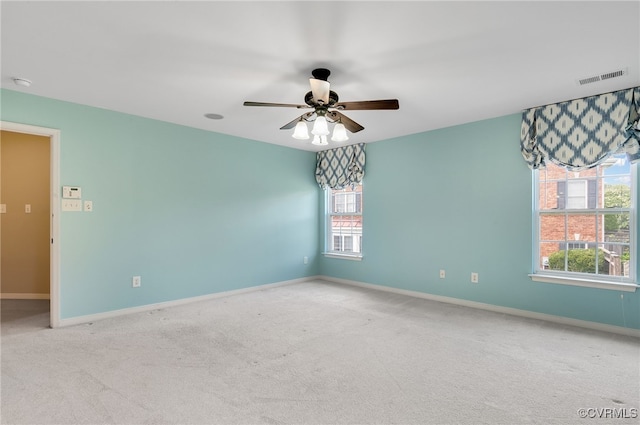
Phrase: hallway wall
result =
(24, 180)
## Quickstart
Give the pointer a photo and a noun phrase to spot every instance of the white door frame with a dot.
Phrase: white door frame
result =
(54, 228)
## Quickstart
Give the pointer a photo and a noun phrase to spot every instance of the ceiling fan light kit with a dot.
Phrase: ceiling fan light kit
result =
(320, 126)
(326, 110)
(319, 140)
(339, 133)
(301, 132)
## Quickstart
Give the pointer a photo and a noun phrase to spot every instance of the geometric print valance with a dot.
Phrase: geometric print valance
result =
(581, 133)
(340, 167)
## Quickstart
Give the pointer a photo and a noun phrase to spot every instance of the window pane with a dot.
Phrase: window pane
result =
(348, 243)
(552, 173)
(582, 227)
(551, 187)
(338, 203)
(552, 227)
(616, 227)
(585, 261)
(549, 257)
(617, 192)
(616, 165)
(346, 227)
(347, 200)
(337, 245)
(548, 249)
(616, 259)
(548, 192)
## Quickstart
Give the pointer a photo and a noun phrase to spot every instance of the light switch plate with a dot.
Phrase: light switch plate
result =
(71, 205)
(3, 208)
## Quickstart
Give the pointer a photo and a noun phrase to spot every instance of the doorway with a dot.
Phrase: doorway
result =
(30, 215)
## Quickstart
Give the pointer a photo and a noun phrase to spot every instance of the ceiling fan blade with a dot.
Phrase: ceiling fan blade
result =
(320, 90)
(349, 124)
(293, 123)
(368, 105)
(283, 105)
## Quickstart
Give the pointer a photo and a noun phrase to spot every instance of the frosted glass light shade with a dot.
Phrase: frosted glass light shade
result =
(320, 126)
(339, 133)
(301, 132)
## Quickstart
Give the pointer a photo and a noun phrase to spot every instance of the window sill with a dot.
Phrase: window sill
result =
(587, 283)
(352, 257)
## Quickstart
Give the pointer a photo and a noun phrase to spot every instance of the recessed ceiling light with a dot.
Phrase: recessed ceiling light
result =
(22, 82)
(214, 116)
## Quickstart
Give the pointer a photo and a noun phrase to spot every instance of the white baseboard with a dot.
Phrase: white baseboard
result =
(149, 307)
(15, 296)
(495, 308)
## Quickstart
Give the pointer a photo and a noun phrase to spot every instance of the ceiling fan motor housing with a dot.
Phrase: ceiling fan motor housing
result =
(321, 74)
(333, 99)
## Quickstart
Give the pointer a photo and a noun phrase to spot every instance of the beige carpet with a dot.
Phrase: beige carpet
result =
(314, 353)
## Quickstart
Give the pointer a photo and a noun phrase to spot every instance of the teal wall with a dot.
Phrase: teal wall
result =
(196, 212)
(459, 199)
(192, 212)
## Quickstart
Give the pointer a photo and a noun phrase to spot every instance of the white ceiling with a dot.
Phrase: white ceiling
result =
(447, 63)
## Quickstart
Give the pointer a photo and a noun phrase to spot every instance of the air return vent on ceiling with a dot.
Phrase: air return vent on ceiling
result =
(602, 77)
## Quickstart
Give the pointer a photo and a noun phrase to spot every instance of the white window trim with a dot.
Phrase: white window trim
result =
(587, 283)
(576, 279)
(352, 257)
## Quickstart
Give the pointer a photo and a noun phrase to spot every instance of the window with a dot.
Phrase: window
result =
(344, 221)
(586, 222)
(576, 194)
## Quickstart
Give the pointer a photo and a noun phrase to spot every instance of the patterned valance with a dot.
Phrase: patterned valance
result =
(581, 133)
(340, 167)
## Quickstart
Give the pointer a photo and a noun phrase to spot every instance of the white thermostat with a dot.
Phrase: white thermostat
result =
(71, 192)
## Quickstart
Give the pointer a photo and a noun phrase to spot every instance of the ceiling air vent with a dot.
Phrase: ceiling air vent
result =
(601, 77)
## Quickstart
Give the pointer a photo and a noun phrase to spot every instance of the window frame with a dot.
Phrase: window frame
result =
(618, 283)
(329, 236)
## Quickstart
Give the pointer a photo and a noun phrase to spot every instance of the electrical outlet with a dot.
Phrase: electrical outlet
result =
(27, 208)
(305, 260)
(474, 277)
(88, 206)
(442, 274)
(136, 281)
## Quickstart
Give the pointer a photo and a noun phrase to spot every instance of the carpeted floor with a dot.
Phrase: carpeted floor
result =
(313, 353)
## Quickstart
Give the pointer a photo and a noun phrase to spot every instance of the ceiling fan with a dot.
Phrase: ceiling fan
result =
(326, 109)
